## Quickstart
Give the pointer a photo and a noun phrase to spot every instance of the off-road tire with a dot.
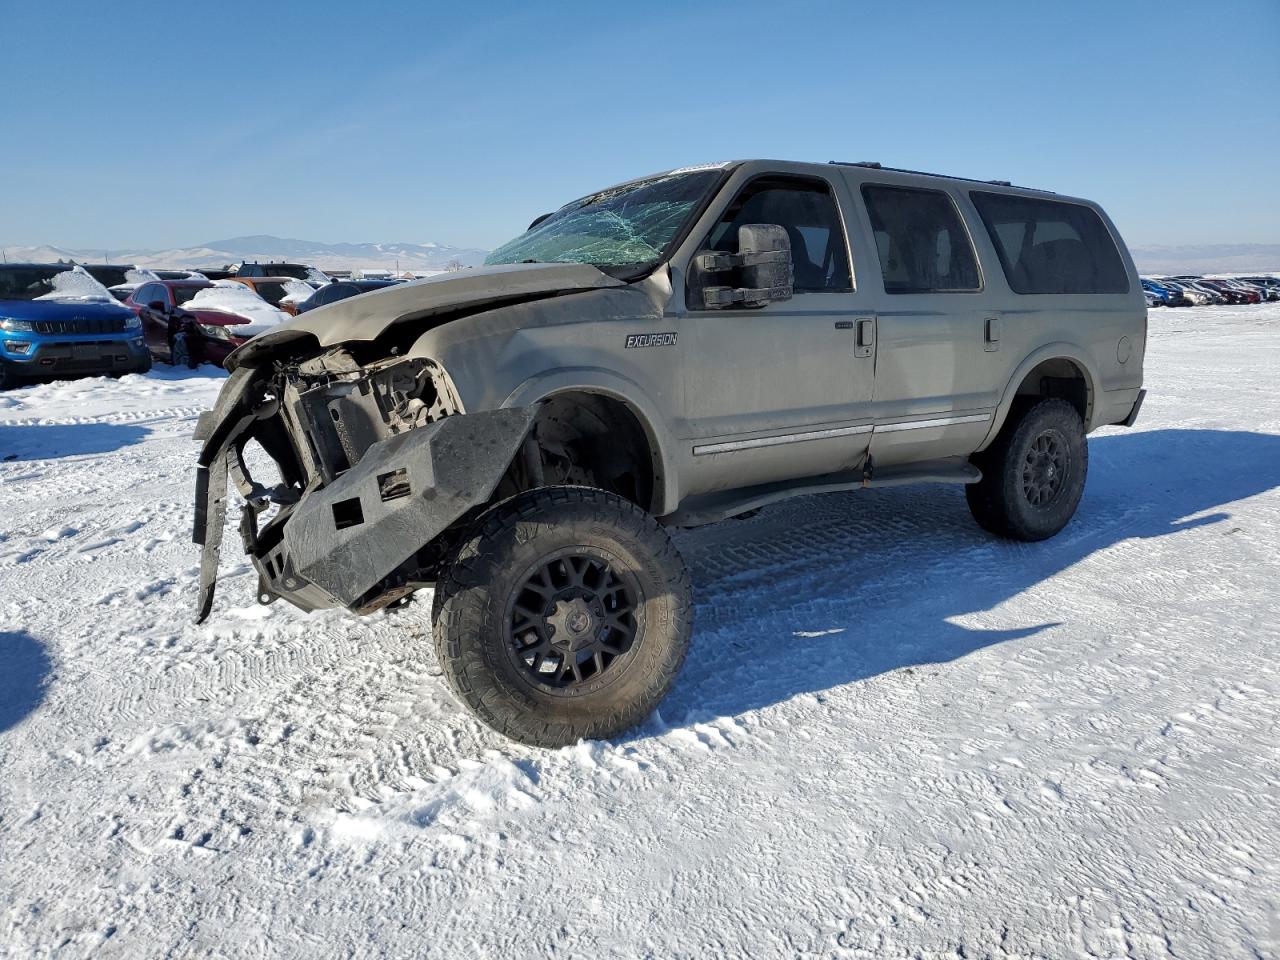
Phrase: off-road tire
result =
(1000, 501)
(474, 639)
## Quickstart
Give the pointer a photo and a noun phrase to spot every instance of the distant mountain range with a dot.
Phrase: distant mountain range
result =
(1203, 258)
(217, 253)
(1208, 258)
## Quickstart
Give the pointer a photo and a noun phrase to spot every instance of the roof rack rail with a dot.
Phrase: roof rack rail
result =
(874, 165)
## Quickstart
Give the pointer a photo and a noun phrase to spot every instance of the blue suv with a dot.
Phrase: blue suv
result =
(52, 327)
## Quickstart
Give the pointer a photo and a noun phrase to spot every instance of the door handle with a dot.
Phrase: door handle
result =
(991, 334)
(866, 336)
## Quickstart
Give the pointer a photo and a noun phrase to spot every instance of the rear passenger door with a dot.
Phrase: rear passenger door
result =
(934, 389)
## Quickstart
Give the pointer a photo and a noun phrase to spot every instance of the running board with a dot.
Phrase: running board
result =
(711, 507)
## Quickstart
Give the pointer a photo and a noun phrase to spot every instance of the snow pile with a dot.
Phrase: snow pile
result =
(227, 296)
(138, 276)
(297, 291)
(77, 284)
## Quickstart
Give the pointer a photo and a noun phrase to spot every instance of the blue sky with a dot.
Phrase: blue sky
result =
(155, 125)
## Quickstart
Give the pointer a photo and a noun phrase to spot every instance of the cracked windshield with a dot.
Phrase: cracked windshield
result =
(624, 226)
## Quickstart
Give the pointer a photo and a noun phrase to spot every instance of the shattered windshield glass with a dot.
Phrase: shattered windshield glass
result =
(625, 226)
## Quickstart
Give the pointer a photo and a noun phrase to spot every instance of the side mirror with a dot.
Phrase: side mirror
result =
(156, 306)
(762, 268)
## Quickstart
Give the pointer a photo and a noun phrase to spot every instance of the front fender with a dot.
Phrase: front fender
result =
(607, 383)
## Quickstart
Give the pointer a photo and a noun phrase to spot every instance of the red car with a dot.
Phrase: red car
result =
(1232, 293)
(180, 335)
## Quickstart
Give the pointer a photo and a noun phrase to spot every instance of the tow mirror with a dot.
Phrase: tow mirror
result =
(761, 268)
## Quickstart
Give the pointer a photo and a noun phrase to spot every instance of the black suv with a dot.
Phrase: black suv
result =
(299, 271)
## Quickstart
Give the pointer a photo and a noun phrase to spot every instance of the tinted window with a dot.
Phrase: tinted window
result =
(921, 241)
(27, 283)
(183, 294)
(109, 276)
(272, 292)
(148, 293)
(1047, 246)
(808, 214)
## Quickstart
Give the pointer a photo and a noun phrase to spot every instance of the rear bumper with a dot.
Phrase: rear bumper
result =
(84, 356)
(1132, 418)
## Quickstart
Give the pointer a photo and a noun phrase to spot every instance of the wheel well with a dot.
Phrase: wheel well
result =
(587, 439)
(1058, 377)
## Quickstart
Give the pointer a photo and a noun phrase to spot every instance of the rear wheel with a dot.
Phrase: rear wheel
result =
(1033, 475)
(564, 615)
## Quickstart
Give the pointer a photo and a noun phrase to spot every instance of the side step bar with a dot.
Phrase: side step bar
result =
(711, 507)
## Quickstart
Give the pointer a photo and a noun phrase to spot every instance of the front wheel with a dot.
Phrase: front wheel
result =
(564, 615)
(1033, 474)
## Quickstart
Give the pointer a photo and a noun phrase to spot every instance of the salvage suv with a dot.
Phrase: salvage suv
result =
(672, 351)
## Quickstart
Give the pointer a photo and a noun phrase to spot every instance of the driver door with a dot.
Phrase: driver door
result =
(780, 391)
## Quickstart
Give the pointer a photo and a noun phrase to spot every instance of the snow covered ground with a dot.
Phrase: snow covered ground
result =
(894, 736)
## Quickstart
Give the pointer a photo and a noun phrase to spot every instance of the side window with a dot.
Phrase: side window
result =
(921, 241)
(273, 293)
(807, 211)
(148, 293)
(1049, 246)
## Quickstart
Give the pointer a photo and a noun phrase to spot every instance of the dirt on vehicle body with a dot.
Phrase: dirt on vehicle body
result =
(671, 351)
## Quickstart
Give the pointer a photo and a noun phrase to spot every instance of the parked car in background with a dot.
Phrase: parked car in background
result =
(1271, 285)
(1192, 295)
(1246, 286)
(1232, 294)
(179, 334)
(1166, 295)
(283, 292)
(55, 319)
(298, 271)
(108, 274)
(342, 290)
(1151, 299)
(1208, 295)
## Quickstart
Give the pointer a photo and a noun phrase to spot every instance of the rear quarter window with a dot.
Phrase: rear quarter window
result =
(1051, 246)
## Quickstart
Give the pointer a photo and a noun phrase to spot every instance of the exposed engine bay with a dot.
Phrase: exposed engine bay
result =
(374, 462)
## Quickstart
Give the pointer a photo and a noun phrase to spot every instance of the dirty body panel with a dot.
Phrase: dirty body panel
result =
(396, 416)
(379, 457)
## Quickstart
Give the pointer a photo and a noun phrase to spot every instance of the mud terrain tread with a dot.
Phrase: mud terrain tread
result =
(996, 500)
(463, 615)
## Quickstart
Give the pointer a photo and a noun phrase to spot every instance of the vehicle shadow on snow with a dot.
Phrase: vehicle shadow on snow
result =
(24, 676)
(49, 441)
(827, 590)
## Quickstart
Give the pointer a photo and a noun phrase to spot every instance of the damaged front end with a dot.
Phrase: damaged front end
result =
(375, 463)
